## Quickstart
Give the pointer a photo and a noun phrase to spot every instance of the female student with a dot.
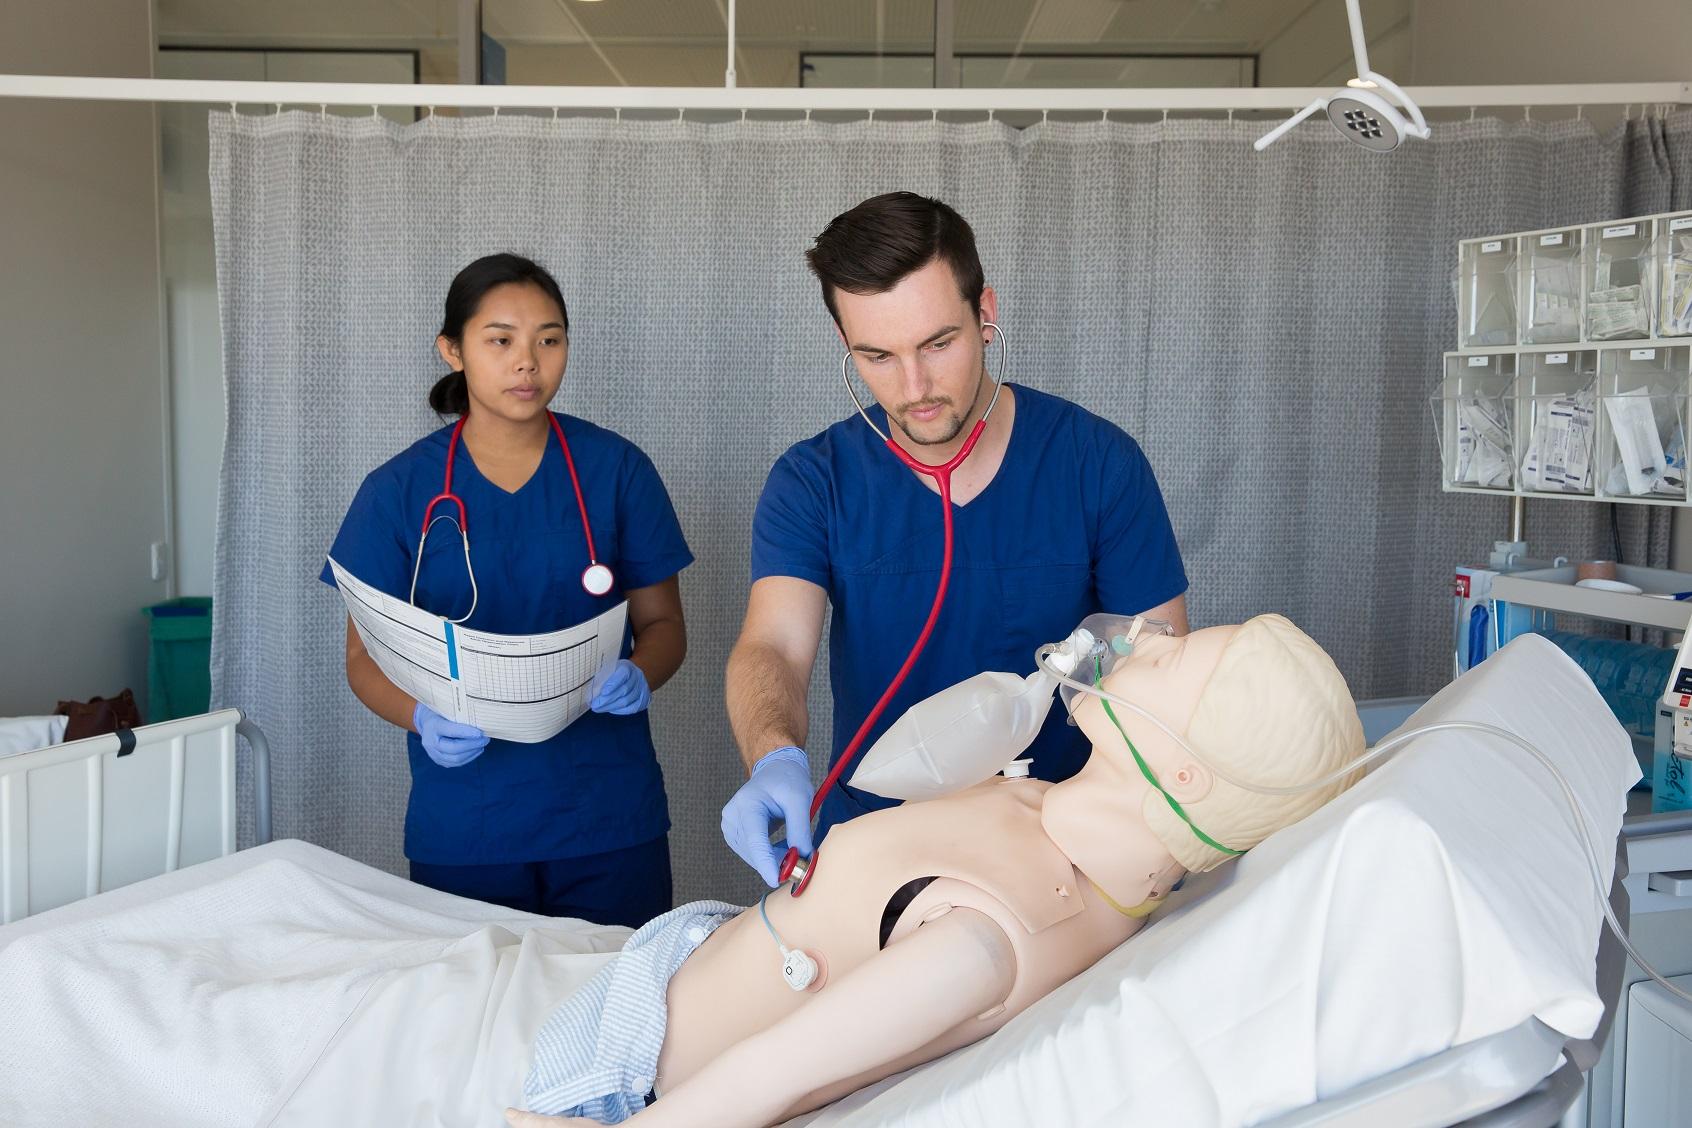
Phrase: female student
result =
(566, 519)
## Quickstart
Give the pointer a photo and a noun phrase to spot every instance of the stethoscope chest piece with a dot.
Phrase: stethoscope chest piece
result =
(798, 870)
(596, 578)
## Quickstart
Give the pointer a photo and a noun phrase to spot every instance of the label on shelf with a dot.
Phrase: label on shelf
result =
(1551, 240)
(1621, 230)
(1642, 354)
(1481, 361)
(1493, 247)
(1557, 358)
(1680, 224)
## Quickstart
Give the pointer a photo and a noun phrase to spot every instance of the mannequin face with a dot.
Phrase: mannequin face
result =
(1095, 817)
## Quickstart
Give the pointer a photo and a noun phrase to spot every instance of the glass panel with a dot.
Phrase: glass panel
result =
(427, 30)
(1105, 43)
(685, 42)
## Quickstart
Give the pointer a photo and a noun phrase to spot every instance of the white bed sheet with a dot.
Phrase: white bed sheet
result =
(277, 986)
(1441, 900)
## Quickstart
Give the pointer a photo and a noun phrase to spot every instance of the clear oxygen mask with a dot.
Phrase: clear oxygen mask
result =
(1099, 644)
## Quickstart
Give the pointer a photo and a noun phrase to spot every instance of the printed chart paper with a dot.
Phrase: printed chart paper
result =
(526, 688)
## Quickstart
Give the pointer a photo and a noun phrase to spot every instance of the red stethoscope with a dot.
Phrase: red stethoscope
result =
(792, 864)
(596, 577)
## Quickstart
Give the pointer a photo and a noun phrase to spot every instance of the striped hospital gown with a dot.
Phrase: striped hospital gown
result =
(597, 1054)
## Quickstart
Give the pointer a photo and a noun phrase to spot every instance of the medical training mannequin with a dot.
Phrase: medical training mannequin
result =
(1031, 883)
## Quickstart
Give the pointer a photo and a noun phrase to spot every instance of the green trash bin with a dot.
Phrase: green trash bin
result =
(179, 657)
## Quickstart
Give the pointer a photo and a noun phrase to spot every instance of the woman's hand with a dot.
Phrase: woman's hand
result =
(447, 742)
(623, 691)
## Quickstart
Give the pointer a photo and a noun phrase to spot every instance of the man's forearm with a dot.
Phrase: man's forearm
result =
(766, 701)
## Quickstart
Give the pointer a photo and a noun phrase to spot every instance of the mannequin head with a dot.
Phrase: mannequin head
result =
(1262, 700)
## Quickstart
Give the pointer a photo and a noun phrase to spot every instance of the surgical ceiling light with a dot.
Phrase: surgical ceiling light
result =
(1359, 110)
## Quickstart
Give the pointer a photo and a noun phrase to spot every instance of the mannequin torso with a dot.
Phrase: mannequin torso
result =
(983, 848)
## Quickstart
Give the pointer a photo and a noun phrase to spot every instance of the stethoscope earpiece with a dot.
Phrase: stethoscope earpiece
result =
(935, 472)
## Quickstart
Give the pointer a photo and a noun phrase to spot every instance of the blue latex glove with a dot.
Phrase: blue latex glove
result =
(624, 690)
(448, 743)
(780, 789)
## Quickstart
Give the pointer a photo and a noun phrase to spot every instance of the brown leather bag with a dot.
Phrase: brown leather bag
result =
(99, 716)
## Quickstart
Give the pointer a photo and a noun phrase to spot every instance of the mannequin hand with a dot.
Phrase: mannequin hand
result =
(448, 743)
(520, 1119)
(780, 788)
(623, 692)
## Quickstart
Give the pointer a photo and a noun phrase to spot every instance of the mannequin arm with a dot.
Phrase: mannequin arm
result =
(944, 974)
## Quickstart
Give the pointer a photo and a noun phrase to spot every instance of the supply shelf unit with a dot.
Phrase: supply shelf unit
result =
(1573, 372)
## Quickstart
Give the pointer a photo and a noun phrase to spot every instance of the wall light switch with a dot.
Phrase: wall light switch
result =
(160, 556)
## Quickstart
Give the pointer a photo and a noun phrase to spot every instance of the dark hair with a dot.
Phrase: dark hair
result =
(451, 393)
(869, 249)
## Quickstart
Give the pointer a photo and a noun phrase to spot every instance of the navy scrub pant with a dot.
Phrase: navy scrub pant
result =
(629, 886)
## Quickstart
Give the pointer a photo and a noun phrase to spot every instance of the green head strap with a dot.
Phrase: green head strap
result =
(1151, 777)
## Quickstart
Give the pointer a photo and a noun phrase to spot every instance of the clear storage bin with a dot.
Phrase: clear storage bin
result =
(1672, 265)
(1618, 281)
(1559, 403)
(1486, 293)
(1642, 429)
(1550, 270)
(1474, 415)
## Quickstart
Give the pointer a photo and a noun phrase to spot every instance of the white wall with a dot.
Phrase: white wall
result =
(82, 452)
(1315, 49)
(1522, 41)
(193, 333)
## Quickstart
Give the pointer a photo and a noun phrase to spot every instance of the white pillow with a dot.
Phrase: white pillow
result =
(26, 734)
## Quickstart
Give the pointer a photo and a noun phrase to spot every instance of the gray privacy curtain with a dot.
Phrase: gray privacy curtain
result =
(1269, 326)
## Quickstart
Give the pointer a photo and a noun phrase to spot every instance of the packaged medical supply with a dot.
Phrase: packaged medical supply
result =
(1617, 312)
(1483, 442)
(1559, 454)
(1645, 466)
(1674, 314)
(1553, 289)
(1618, 302)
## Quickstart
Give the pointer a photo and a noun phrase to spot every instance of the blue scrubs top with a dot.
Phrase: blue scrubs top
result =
(1073, 522)
(595, 786)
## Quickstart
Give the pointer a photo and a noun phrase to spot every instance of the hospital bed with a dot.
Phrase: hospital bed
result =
(80, 818)
(1415, 955)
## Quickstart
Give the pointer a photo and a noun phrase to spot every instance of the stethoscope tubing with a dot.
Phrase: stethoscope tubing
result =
(597, 579)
